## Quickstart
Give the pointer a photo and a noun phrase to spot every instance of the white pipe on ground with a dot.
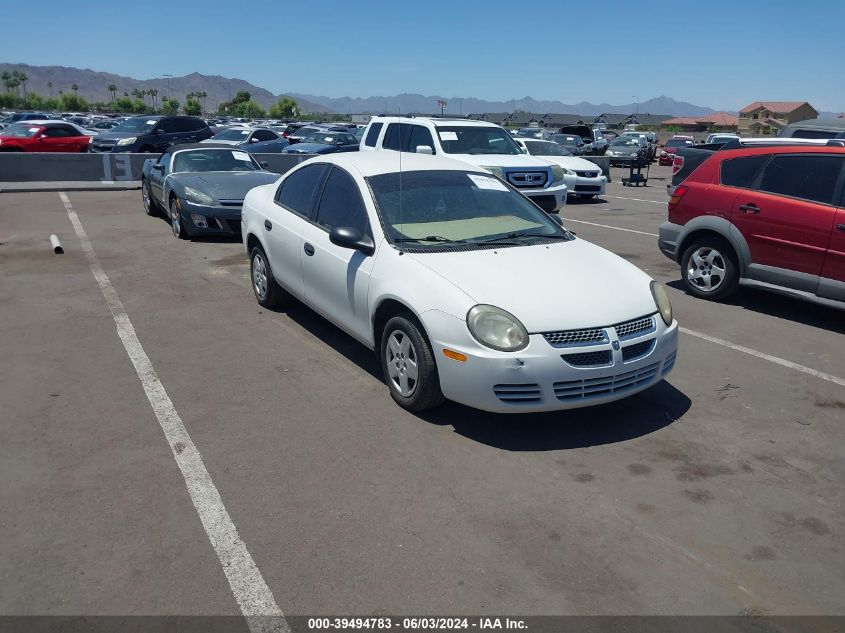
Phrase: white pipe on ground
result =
(57, 246)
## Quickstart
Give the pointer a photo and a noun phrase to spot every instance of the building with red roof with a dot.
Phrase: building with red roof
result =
(766, 118)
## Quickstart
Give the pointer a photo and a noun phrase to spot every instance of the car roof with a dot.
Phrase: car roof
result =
(780, 149)
(828, 123)
(435, 121)
(376, 163)
(179, 147)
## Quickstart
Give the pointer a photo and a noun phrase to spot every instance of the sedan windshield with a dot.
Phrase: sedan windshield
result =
(232, 134)
(330, 138)
(213, 160)
(471, 139)
(678, 142)
(626, 141)
(546, 148)
(569, 140)
(135, 125)
(21, 130)
(433, 208)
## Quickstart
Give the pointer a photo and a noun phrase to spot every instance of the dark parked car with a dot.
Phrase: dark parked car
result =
(325, 142)
(150, 133)
(201, 188)
(628, 150)
(572, 142)
(770, 216)
(260, 140)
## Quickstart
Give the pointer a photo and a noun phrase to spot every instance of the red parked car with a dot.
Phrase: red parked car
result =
(44, 136)
(667, 154)
(769, 216)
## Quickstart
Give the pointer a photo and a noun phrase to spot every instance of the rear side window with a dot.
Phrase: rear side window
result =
(396, 136)
(341, 203)
(372, 134)
(806, 177)
(194, 125)
(420, 136)
(168, 126)
(740, 172)
(297, 191)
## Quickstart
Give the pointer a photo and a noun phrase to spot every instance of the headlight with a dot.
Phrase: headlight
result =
(557, 172)
(496, 171)
(198, 197)
(497, 329)
(661, 300)
(127, 141)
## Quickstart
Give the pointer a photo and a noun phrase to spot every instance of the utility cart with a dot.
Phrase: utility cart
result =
(635, 176)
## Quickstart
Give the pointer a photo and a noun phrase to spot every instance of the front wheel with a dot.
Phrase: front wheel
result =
(409, 366)
(268, 292)
(709, 269)
(176, 220)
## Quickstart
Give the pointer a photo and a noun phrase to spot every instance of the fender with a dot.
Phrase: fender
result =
(723, 227)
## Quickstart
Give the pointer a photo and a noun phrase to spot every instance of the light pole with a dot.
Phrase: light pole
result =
(637, 102)
(168, 85)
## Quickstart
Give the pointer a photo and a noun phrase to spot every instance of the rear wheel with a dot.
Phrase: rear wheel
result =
(709, 269)
(409, 366)
(150, 206)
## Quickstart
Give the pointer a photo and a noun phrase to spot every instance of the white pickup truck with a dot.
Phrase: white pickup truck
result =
(478, 143)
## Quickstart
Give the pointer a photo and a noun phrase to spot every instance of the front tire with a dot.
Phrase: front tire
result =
(709, 269)
(408, 364)
(268, 292)
(177, 223)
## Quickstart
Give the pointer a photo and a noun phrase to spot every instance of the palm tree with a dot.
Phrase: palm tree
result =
(23, 78)
(202, 95)
(113, 91)
(75, 88)
(154, 94)
(7, 79)
(50, 86)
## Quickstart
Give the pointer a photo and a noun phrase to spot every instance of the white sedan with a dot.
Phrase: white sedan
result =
(443, 270)
(582, 177)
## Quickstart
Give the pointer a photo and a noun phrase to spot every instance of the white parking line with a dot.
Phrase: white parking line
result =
(607, 226)
(251, 592)
(638, 200)
(772, 359)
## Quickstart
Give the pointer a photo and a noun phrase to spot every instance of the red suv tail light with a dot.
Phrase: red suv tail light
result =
(677, 164)
(679, 193)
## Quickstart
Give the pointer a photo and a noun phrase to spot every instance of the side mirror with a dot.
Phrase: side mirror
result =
(158, 131)
(424, 149)
(158, 166)
(348, 237)
(264, 164)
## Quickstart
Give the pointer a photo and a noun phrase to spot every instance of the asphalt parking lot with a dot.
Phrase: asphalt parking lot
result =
(718, 491)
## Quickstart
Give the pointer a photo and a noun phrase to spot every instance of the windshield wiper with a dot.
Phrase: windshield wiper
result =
(430, 238)
(513, 236)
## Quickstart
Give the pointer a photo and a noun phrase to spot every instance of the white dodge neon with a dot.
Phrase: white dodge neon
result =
(464, 288)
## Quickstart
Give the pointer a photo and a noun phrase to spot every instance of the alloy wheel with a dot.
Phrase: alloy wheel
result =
(175, 218)
(259, 276)
(706, 269)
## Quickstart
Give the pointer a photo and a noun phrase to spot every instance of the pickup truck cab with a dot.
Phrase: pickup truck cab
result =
(477, 143)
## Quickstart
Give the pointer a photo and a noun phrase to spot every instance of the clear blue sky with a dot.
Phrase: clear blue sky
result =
(718, 53)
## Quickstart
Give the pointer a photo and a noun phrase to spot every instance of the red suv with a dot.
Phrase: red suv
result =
(771, 217)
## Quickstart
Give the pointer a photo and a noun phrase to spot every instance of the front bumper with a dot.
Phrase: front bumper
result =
(589, 186)
(218, 220)
(538, 378)
(668, 237)
(551, 199)
(625, 160)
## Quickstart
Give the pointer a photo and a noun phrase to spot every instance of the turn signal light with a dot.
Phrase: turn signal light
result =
(679, 192)
(448, 353)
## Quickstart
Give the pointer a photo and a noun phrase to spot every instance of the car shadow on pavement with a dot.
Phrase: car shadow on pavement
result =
(783, 307)
(582, 201)
(619, 421)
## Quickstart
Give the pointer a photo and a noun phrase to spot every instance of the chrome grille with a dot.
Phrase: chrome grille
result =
(587, 174)
(597, 387)
(576, 337)
(528, 179)
(635, 327)
(588, 359)
(519, 393)
(637, 350)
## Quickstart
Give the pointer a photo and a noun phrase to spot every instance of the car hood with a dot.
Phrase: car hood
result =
(214, 140)
(116, 136)
(549, 287)
(572, 162)
(226, 185)
(624, 149)
(499, 160)
(311, 148)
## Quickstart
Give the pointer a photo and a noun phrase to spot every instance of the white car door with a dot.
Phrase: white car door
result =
(284, 223)
(337, 279)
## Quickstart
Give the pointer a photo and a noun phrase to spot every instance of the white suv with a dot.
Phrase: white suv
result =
(478, 143)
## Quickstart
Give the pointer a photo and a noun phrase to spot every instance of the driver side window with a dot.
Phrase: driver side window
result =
(165, 161)
(341, 203)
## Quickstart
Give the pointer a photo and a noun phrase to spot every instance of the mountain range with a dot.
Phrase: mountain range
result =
(93, 85)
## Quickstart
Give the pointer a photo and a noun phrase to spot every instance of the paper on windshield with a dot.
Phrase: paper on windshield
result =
(244, 132)
(151, 122)
(242, 156)
(33, 130)
(487, 182)
(448, 136)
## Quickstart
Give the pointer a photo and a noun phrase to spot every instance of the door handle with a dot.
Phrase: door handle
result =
(309, 249)
(749, 208)
(267, 225)
(840, 227)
